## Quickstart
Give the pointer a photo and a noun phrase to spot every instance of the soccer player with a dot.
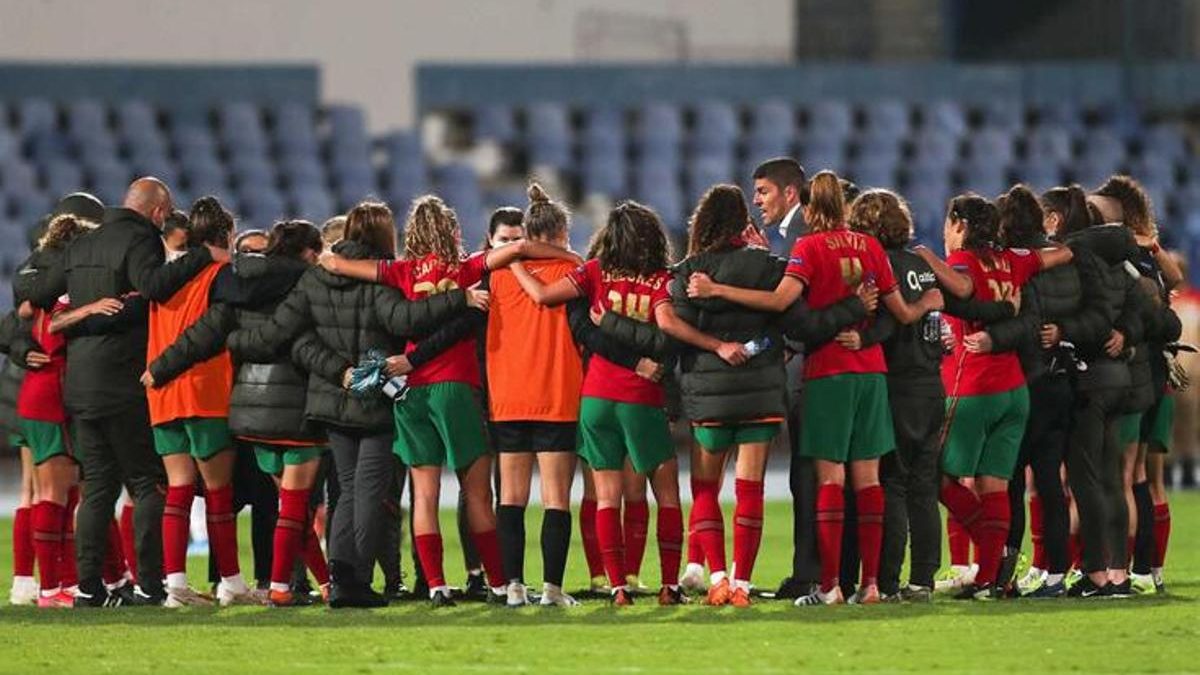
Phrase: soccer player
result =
(622, 417)
(24, 590)
(440, 421)
(846, 416)
(267, 399)
(987, 403)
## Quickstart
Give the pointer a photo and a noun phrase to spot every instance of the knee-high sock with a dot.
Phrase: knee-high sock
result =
(556, 544)
(48, 519)
(670, 543)
(114, 556)
(487, 547)
(587, 532)
(1036, 532)
(966, 507)
(289, 535)
(127, 547)
(510, 521)
(993, 531)
(67, 571)
(222, 529)
(707, 523)
(695, 554)
(429, 551)
(612, 545)
(177, 511)
(636, 527)
(314, 557)
(1162, 533)
(747, 526)
(1143, 541)
(870, 502)
(23, 554)
(959, 541)
(831, 512)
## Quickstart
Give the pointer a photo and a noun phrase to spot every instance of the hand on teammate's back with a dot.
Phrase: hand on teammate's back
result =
(649, 369)
(869, 294)
(700, 285)
(36, 360)
(733, 353)
(849, 339)
(478, 298)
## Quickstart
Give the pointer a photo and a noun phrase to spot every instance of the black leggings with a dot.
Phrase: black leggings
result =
(1094, 457)
(1043, 449)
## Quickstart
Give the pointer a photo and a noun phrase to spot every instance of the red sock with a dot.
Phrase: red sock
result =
(176, 512)
(114, 558)
(127, 547)
(695, 554)
(314, 557)
(1162, 532)
(487, 545)
(670, 543)
(289, 534)
(966, 508)
(1035, 532)
(1075, 551)
(429, 552)
(23, 542)
(959, 541)
(608, 531)
(993, 532)
(747, 526)
(48, 519)
(869, 501)
(591, 545)
(222, 529)
(636, 526)
(831, 512)
(67, 571)
(707, 524)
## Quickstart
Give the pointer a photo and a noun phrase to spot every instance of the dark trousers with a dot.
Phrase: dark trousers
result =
(366, 477)
(253, 488)
(1094, 456)
(910, 476)
(1042, 450)
(802, 481)
(114, 450)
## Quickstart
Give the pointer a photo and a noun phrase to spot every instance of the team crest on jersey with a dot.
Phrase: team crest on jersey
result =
(796, 260)
(1021, 251)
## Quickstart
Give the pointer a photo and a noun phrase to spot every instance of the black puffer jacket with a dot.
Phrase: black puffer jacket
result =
(269, 392)
(712, 390)
(11, 374)
(349, 318)
(1100, 253)
(124, 255)
(1147, 323)
(1166, 328)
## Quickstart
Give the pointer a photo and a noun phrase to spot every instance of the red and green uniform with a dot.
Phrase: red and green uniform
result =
(986, 399)
(621, 413)
(846, 413)
(440, 421)
(42, 417)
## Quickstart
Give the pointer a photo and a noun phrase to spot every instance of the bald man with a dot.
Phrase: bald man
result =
(123, 259)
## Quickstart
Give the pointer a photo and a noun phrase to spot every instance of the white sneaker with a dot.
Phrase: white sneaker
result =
(1033, 580)
(957, 577)
(816, 598)
(186, 596)
(693, 579)
(233, 594)
(553, 596)
(518, 596)
(24, 591)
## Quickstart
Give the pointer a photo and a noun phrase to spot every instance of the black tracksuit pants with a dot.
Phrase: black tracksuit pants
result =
(1043, 449)
(910, 476)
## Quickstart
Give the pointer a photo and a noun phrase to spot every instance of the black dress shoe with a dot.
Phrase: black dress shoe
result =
(792, 588)
(343, 595)
(476, 588)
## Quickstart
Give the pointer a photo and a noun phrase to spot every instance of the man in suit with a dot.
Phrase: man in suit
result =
(780, 192)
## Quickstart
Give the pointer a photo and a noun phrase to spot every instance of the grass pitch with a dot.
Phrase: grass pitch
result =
(1148, 634)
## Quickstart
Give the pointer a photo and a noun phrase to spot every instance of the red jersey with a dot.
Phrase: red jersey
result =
(41, 394)
(425, 276)
(832, 264)
(997, 277)
(636, 297)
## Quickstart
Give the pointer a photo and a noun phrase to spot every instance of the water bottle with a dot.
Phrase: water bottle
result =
(936, 329)
(396, 388)
(755, 347)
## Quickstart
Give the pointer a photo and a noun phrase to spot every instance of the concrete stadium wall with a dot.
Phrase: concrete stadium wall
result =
(366, 50)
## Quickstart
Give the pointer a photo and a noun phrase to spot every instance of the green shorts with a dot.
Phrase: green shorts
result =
(44, 439)
(16, 439)
(847, 418)
(272, 458)
(440, 424)
(201, 437)
(610, 431)
(722, 437)
(1158, 423)
(1129, 428)
(985, 433)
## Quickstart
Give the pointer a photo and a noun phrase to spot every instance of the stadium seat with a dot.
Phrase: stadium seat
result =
(935, 148)
(993, 144)
(548, 136)
(61, 177)
(878, 149)
(984, 177)
(823, 152)
(36, 116)
(1164, 142)
(17, 176)
(701, 174)
(1049, 143)
(313, 204)
(494, 123)
(944, 117)
(603, 131)
(605, 175)
(887, 118)
(1041, 175)
(831, 119)
(1005, 114)
(659, 124)
(774, 121)
(1060, 114)
(868, 172)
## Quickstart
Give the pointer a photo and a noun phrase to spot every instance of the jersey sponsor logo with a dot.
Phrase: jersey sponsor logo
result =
(918, 280)
(1021, 251)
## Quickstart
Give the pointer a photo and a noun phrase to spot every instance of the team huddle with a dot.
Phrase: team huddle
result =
(1036, 360)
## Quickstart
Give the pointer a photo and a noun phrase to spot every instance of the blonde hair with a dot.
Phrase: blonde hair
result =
(544, 218)
(62, 230)
(883, 215)
(432, 227)
(826, 204)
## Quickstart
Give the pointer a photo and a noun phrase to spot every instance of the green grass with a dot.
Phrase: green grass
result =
(1156, 634)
